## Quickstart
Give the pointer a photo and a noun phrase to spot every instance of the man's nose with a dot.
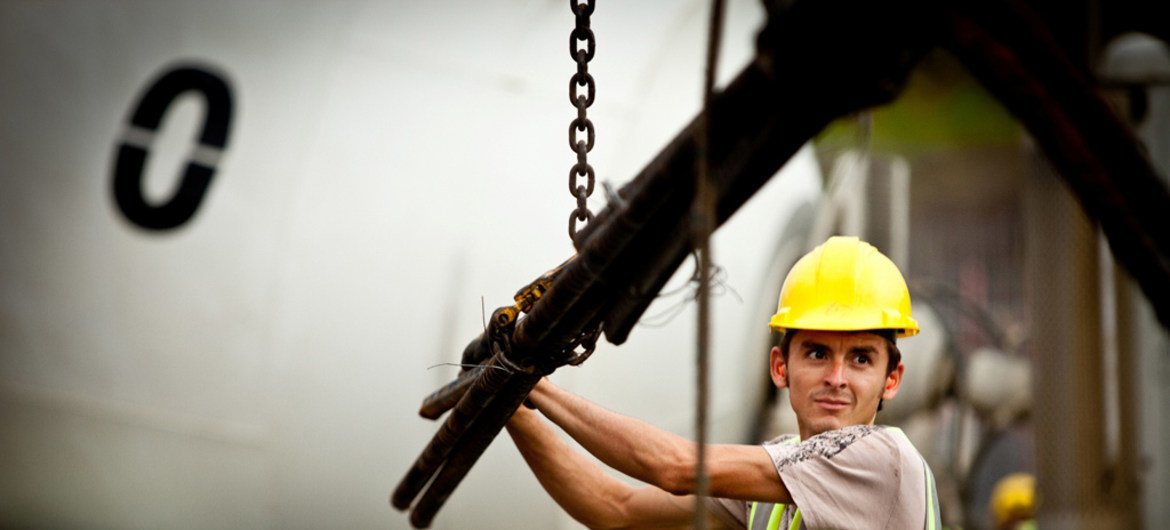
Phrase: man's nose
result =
(836, 375)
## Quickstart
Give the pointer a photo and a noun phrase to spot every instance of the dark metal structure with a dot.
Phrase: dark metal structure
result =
(816, 60)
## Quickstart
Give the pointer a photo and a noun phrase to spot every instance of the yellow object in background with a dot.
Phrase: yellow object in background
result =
(1013, 501)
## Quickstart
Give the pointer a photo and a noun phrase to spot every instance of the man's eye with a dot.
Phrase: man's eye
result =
(862, 358)
(816, 354)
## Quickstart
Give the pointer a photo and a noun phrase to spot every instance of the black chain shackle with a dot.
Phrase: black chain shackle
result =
(581, 33)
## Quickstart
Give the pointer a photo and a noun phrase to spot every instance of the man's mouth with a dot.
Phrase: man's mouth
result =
(832, 403)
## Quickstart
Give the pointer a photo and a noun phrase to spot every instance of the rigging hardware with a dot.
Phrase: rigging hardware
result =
(581, 124)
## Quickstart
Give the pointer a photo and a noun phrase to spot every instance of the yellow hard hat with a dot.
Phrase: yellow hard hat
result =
(1014, 498)
(845, 285)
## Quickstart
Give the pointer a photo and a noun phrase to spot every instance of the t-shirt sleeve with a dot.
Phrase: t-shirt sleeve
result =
(734, 513)
(842, 479)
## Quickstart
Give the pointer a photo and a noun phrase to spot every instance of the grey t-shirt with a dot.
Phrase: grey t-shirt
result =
(863, 476)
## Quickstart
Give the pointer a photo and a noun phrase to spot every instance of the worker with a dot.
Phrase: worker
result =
(1013, 502)
(841, 309)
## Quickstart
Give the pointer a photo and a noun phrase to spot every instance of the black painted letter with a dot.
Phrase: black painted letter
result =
(132, 153)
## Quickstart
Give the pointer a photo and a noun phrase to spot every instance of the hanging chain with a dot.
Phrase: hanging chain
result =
(581, 192)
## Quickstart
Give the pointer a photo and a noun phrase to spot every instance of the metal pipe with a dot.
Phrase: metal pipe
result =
(449, 395)
(1128, 492)
(471, 446)
(1065, 301)
(480, 395)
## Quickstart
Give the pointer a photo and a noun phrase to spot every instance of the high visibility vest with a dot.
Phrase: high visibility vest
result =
(767, 516)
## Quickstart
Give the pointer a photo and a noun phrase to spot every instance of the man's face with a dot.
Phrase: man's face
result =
(835, 378)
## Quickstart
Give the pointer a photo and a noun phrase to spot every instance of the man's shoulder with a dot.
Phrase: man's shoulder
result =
(875, 440)
(829, 444)
(866, 464)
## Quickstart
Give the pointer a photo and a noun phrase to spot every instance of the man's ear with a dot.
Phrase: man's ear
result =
(779, 368)
(893, 382)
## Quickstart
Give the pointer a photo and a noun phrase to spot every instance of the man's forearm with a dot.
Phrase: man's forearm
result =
(659, 457)
(628, 445)
(574, 482)
(588, 493)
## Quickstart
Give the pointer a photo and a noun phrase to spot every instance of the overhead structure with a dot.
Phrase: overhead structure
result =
(863, 55)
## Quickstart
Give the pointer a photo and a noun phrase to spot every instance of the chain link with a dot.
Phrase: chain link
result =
(581, 124)
(588, 343)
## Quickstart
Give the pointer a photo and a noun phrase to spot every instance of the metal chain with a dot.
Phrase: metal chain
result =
(588, 343)
(581, 33)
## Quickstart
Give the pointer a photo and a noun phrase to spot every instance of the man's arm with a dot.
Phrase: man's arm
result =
(584, 490)
(658, 457)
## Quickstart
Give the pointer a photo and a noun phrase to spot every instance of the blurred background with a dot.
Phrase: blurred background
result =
(247, 345)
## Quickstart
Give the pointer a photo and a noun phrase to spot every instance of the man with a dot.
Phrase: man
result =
(841, 309)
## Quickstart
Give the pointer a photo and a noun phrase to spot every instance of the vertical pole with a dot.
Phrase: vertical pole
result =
(1128, 492)
(704, 223)
(1062, 266)
(701, 376)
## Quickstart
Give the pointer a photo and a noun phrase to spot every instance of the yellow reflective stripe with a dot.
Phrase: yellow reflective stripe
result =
(932, 516)
(931, 502)
(773, 518)
(777, 509)
(774, 521)
(795, 521)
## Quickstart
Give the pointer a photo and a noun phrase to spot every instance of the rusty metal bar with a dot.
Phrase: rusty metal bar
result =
(477, 351)
(449, 395)
(480, 348)
(479, 396)
(471, 446)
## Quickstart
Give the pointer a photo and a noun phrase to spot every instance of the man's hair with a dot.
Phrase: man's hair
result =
(892, 359)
